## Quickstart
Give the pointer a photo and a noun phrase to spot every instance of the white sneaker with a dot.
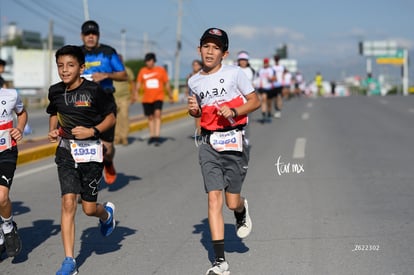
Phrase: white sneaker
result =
(244, 226)
(277, 114)
(219, 268)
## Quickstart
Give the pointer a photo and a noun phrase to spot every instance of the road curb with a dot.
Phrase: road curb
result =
(47, 150)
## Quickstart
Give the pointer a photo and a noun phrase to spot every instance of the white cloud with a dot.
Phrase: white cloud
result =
(250, 32)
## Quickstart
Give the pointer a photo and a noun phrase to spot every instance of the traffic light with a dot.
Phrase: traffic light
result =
(282, 52)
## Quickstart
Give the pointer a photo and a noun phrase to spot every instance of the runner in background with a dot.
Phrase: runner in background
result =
(286, 83)
(319, 83)
(243, 63)
(153, 80)
(264, 85)
(123, 99)
(299, 83)
(196, 66)
(102, 65)
(276, 95)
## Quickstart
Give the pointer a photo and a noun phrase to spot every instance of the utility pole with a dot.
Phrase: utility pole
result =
(177, 52)
(123, 43)
(86, 9)
(405, 72)
(49, 58)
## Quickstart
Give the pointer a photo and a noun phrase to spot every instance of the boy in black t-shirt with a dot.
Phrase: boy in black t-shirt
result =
(79, 111)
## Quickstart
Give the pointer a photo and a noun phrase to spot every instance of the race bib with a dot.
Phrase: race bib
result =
(227, 141)
(5, 140)
(86, 150)
(152, 83)
(87, 77)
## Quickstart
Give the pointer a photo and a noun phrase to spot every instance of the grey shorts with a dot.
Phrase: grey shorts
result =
(223, 170)
(82, 178)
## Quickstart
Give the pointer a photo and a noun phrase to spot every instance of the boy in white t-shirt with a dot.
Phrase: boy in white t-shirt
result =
(222, 96)
(9, 135)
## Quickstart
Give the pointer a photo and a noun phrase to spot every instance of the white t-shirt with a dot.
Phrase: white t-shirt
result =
(10, 102)
(263, 78)
(279, 69)
(229, 86)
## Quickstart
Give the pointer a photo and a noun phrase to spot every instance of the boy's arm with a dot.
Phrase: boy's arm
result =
(53, 131)
(168, 89)
(17, 132)
(251, 105)
(118, 76)
(81, 132)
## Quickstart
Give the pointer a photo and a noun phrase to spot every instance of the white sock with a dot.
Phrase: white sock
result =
(7, 225)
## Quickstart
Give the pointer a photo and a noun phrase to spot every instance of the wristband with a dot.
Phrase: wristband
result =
(196, 115)
(96, 132)
(235, 114)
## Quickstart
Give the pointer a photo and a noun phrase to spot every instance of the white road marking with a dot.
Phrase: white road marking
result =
(33, 171)
(305, 116)
(299, 149)
(310, 104)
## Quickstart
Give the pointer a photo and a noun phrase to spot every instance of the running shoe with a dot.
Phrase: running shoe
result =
(220, 267)
(244, 225)
(109, 173)
(68, 267)
(108, 227)
(13, 242)
(2, 245)
(157, 141)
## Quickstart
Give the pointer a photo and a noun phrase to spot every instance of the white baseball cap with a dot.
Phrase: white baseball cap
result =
(243, 55)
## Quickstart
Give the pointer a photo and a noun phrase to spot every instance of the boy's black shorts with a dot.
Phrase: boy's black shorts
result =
(8, 159)
(82, 178)
(149, 108)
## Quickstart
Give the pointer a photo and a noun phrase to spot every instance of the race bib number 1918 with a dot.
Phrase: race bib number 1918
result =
(86, 150)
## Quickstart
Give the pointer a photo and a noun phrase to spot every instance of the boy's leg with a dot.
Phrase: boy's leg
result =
(241, 212)
(10, 237)
(216, 223)
(69, 204)
(215, 214)
(94, 209)
(90, 183)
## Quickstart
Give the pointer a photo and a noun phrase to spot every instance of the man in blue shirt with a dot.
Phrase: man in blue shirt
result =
(102, 65)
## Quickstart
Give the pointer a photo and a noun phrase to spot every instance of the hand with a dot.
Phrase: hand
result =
(53, 135)
(97, 77)
(192, 105)
(16, 134)
(225, 111)
(80, 132)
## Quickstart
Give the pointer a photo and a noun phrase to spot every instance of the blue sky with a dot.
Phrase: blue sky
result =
(322, 35)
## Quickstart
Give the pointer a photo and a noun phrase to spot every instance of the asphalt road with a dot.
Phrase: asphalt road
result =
(330, 190)
(39, 119)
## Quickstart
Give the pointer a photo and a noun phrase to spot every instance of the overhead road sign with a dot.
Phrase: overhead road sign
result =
(378, 48)
(396, 59)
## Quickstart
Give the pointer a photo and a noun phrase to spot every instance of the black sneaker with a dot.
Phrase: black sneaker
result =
(12, 242)
(151, 140)
(2, 246)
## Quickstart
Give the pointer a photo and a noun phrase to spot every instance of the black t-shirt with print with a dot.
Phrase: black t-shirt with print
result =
(87, 106)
